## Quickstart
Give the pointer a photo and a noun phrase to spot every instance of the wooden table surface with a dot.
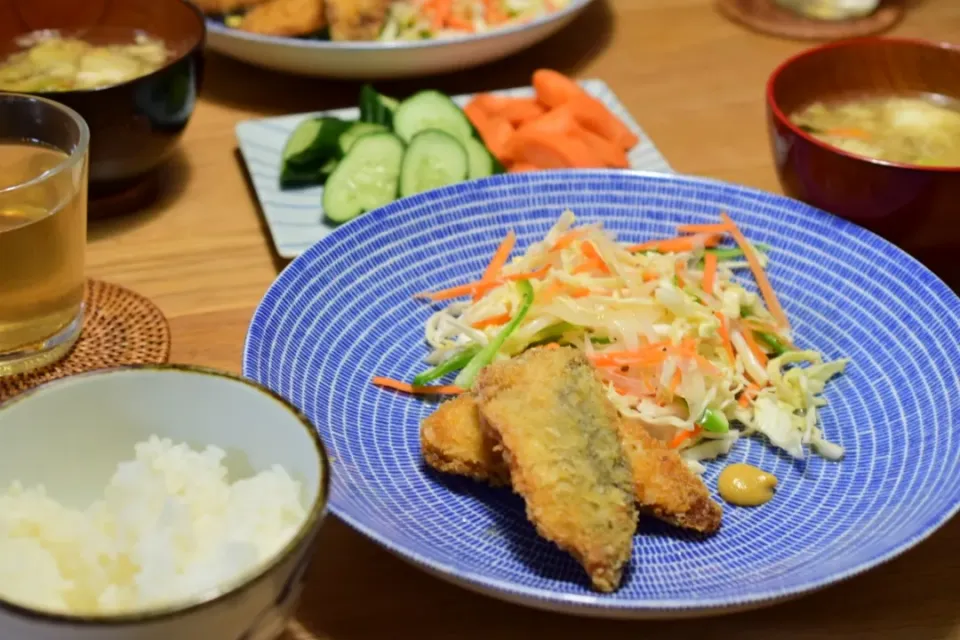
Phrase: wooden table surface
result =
(696, 84)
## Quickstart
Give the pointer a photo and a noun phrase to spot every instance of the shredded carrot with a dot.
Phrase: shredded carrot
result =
(568, 239)
(683, 436)
(703, 228)
(539, 274)
(769, 295)
(492, 321)
(680, 269)
(755, 349)
(725, 336)
(441, 12)
(851, 132)
(552, 346)
(650, 276)
(590, 266)
(580, 292)
(677, 245)
(592, 254)
(675, 381)
(500, 257)
(472, 288)
(521, 167)
(709, 272)
(495, 15)
(748, 394)
(406, 387)
(460, 24)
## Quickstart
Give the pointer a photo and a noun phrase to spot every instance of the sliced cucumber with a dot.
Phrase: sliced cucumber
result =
(431, 110)
(314, 141)
(295, 177)
(376, 108)
(356, 131)
(434, 159)
(365, 179)
(481, 161)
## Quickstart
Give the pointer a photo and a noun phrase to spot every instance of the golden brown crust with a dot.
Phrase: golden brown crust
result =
(219, 7)
(356, 19)
(559, 437)
(453, 441)
(286, 18)
(664, 485)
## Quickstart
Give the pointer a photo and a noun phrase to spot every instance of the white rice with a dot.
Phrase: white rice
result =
(169, 528)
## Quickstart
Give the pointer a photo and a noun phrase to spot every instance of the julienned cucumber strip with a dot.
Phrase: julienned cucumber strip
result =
(431, 110)
(486, 355)
(433, 159)
(365, 179)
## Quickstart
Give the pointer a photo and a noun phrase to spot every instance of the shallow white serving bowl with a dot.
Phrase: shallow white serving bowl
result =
(70, 434)
(384, 60)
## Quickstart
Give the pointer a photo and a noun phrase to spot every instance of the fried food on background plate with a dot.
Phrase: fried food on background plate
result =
(356, 19)
(218, 7)
(285, 18)
(557, 432)
(453, 441)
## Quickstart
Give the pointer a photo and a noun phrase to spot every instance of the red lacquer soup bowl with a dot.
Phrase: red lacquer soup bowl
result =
(915, 206)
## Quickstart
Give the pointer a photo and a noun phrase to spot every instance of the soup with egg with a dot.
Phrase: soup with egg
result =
(50, 63)
(908, 130)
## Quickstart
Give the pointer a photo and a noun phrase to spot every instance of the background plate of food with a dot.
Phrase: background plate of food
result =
(295, 177)
(379, 39)
(614, 342)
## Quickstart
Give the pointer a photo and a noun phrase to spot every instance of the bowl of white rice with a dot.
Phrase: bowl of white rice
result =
(155, 503)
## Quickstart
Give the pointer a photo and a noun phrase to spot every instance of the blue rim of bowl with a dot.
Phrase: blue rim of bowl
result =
(590, 604)
(575, 7)
(307, 530)
(784, 119)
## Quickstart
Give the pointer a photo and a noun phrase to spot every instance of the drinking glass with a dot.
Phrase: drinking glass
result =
(43, 230)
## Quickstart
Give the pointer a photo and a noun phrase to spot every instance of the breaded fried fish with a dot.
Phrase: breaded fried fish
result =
(218, 7)
(557, 432)
(664, 486)
(453, 441)
(356, 19)
(286, 18)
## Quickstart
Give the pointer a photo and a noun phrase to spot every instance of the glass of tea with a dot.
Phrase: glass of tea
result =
(43, 230)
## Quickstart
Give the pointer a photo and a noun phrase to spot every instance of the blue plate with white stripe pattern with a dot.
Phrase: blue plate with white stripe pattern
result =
(343, 311)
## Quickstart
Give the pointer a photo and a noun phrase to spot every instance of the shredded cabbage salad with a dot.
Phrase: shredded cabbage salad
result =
(425, 19)
(682, 347)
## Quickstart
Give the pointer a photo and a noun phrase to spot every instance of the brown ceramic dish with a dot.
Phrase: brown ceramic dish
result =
(134, 126)
(914, 206)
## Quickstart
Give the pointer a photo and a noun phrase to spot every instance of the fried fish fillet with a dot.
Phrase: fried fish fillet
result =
(218, 7)
(286, 18)
(453, 441)
(557, 432)
(356, 19)
(663, 484)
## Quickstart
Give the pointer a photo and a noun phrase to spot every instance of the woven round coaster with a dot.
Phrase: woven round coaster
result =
(765, 16)
(119, 327)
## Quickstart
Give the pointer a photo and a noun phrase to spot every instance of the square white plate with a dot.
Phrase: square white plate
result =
(295, 216)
